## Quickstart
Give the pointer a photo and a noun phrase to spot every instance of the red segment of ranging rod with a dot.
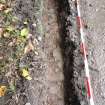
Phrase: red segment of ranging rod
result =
(88, 80)
(82, 48)
(78, 22)
(88, 87)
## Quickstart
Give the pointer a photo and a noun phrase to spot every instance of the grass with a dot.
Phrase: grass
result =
(13, 42)
(12, 45)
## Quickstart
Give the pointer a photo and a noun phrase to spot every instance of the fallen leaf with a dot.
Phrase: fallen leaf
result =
(2, 90)
(12, 43)
(10, 28)
(1, 57)
(14, 19)
(6, 34)
(24, 32)
(34, 24)
(25, 22)
(25, 74)
(29, 47)
(8, 10)
(3, 1)
(12, 87)
(2, 7)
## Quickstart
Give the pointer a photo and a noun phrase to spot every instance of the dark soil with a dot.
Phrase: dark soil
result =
(73, 63)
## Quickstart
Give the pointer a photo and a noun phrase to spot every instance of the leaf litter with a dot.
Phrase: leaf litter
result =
(14, 44)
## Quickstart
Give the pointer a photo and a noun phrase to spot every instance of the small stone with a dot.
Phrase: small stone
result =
(12, 43)
(39, 38)
(35, 42)
(36, 53)
(27, 104)
(97, 10)
(34, 24)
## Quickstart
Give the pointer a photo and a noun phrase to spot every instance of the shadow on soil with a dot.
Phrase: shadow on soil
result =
(68, 47)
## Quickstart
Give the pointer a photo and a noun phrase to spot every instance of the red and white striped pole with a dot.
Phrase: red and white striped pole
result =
(88, 81)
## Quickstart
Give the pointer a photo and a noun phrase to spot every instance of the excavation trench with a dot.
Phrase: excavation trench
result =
(73, 62)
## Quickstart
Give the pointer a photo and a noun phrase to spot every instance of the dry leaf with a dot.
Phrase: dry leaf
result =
(2, 7)
(29, 36)
(1, 57)
(29, 47)
(10, 28)
(3, 1)
(6, 34)
(2, 90)
(8, 10)
(1, 32)
(25, 74)
(12, 87)
(12, 43)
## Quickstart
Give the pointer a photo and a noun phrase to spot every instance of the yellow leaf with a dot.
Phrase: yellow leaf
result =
(25, 73)
(10, 28)
(2, 90)
(24, 32)
(3, 1)
(6, 34)
(8, 10)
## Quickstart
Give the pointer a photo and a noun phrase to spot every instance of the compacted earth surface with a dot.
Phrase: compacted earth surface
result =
(93, 13)
(40, 57)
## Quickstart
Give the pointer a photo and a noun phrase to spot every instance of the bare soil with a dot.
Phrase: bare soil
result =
(56, 64)
(93, 14)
